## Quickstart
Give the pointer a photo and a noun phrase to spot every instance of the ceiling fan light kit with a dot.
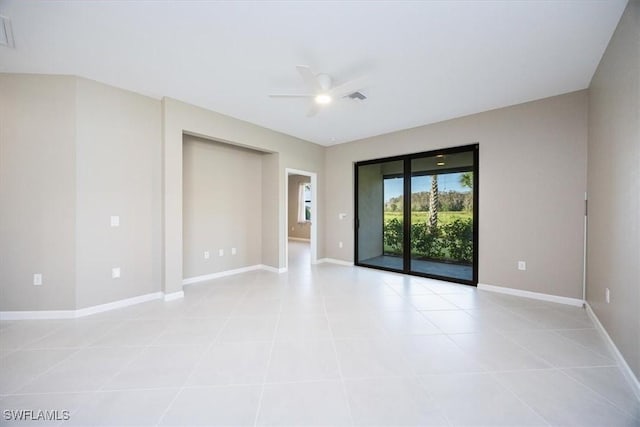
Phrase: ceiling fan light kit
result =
(323, 99)
(322, 91)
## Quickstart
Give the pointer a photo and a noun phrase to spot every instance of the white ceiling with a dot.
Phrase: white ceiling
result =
(425, 61)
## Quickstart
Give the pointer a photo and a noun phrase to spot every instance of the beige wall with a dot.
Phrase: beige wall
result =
(297, 230)
(222, 206)
(37, 191)
(73, 153)
(614, 188)
(532, 179)
(118, 160)
(285, 152)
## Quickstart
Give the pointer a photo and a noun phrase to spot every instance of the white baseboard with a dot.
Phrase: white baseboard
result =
(82, 312)
(118, 304)
(174, 295)
(204, 278)
(534, 295)
(335, 261)
(299, 239)
(622, 363)
(273, 269)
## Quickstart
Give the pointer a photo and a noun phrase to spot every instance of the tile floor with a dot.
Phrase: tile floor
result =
(323, 346)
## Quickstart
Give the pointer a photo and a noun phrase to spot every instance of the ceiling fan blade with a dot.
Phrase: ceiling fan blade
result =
(313, 110)
(347, 88)
(284, 95)
(309, 78)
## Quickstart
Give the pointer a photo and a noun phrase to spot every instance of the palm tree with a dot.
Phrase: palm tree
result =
(466, 180)
(433, 204)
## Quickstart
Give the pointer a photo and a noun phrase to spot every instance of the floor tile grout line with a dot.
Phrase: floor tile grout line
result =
(139, 351)
(197, 364)
(24, 348)
(596, 393)
(553, 332)
(557, 332)
(266, 372)
(74, 351)
(554, 367)
(521, 400)
(137, 354)
(46, 371)
(53, 330)
(339, 365)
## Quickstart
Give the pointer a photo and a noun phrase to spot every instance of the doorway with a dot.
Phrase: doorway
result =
(418, 214)
(300, 218)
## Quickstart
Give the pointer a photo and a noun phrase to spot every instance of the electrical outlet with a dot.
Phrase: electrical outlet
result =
(37, 279)
(233, 251)
(607, 295)
(221, 252)
(207, 255)
(340, 245)
(522, 265)
(115, 273)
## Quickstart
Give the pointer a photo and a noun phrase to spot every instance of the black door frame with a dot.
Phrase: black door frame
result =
(407, 158)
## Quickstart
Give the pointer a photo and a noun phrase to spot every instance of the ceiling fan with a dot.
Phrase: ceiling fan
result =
(322, 91)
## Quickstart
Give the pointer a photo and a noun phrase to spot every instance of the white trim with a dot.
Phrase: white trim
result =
(314, 215)
(584, 248)
(300, 239)
(273, 269)
(335, 261)
(205, 277)
(118, 304)
(622, 363)
(174, 295)
(534, 295)
(72, 314)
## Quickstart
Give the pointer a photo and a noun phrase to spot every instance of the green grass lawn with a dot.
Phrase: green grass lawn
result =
(443, 217)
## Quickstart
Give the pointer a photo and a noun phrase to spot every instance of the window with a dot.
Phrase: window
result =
(304, 203)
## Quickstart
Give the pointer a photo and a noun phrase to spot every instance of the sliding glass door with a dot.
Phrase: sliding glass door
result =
(417, 214)
(380, 233)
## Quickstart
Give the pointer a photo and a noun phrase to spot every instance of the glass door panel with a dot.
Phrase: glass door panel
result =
(442, 216)
(380, 221)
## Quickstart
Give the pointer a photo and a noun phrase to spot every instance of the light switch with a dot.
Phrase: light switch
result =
(115, 221)
(221, 252)
(522, 265)
(37, 279)
(207, 255)
(233, 251)
(115, 273)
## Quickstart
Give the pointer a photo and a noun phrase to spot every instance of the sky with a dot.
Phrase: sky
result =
(446, 182)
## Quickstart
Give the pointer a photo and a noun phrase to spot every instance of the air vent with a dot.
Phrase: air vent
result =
(6, 34)
(357, 95)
